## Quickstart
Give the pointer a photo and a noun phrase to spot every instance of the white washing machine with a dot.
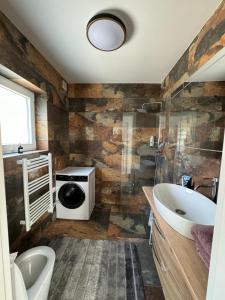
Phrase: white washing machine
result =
(75, 193)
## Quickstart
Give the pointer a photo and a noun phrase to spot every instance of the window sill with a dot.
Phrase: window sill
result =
(8, 155)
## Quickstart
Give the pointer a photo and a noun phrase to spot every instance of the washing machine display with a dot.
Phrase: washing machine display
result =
(75, 193)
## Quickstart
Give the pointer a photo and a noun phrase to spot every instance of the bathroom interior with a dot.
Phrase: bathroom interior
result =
(112, 161)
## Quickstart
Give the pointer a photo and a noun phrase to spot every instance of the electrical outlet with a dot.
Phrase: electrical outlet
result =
(64, 85)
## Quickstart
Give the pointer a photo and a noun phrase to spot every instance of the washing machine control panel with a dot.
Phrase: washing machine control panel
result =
(71, 178)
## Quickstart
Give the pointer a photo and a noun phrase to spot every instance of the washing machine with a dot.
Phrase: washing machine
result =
(75, 193)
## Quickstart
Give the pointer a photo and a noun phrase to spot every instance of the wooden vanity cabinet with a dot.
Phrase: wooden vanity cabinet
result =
(175, 286)
(182, 273)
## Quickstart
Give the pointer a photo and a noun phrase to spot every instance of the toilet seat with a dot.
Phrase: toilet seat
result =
(32, 272)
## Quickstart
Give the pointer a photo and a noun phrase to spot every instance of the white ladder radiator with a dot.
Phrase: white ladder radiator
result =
(34, 210)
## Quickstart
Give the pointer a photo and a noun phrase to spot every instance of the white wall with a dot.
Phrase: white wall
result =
(5, 276)
(216, 283)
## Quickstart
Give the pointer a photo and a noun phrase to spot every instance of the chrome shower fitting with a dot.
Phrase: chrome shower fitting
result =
(144, 109)
(214, 186)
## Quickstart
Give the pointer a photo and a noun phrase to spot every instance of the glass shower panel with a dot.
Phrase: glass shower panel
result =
(140, 134)
(128, 184)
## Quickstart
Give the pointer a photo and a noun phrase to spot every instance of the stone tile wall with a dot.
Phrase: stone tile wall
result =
(193, 138)
(30, 68)
(107, 131)
(14, 198)
(206, 44)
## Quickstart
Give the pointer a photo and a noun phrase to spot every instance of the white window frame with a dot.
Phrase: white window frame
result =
(8, 84)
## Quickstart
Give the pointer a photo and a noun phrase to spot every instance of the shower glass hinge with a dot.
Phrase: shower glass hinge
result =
(22, 222)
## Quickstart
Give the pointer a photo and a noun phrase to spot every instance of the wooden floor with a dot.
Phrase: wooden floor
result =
(96, 270)
(112, 223)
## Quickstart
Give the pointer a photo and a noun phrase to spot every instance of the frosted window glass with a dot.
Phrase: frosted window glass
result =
(14, 116)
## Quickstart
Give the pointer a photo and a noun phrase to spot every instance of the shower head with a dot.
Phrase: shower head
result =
(150, 107)
(141, 110)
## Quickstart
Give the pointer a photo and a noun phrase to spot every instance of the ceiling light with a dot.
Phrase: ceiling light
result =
(106, 32)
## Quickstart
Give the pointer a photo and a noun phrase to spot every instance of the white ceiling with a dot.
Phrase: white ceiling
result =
(159, 32)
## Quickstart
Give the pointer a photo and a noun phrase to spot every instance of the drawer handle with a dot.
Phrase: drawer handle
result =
(161, 264)
(158, 229)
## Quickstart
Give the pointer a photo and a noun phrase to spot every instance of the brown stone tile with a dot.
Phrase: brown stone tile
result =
(106, 119)
(137, 209)
(85, 91)
(108, 188)
(91, 133)
(146, 120)
(110, 174)
(199, 163)
(25, 240)
(95, 228)
(127, 225)
(142, 135)
(113, 160)
(58, 147)
(51, 131)
(102, 133)
(41, 113)
(41, 130)
(132, 104)
(107, 192)
(96, 105)
(109, 147)
(131, 90)
(87, 147)
(81, 160)
(113, 90)
(60, 162)
(134, 200)
(202, 103)
(75, 120)
(42, 145)
(77, 133)
(78, 229)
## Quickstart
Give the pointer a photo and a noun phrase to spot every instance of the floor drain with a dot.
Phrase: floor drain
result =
(180, 212)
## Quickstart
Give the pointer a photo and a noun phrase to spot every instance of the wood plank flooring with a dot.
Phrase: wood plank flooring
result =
(95, 270)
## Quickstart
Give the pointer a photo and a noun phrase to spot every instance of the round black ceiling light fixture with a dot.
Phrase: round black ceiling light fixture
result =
(106, 32)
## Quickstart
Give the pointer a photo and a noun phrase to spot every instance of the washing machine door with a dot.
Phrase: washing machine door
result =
(71, 195)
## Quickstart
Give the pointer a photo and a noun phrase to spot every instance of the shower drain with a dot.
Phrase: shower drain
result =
(180, 212)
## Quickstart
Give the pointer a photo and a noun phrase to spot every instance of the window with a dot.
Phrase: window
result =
(16, 116)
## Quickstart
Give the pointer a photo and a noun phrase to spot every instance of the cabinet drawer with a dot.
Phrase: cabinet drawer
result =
(170, 288)
(170, 262)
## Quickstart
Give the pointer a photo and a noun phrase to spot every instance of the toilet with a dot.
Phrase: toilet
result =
(32, 273)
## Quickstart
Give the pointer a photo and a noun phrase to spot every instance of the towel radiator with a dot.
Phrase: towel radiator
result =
(34, 210)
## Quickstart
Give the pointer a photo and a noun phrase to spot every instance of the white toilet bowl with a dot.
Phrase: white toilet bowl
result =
(32, 273)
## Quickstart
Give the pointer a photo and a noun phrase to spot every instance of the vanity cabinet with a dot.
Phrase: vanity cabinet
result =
(181, 271)
(173, 281)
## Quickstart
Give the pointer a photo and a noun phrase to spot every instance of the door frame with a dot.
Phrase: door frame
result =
(5, 273)
(216, 287)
